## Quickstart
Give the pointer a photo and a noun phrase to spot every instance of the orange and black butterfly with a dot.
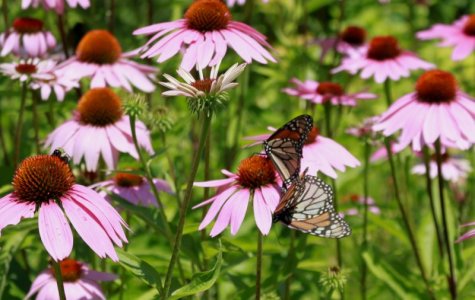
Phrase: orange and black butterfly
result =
(308, 206)
(284, 148)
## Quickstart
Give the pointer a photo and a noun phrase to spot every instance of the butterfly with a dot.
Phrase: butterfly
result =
(308, 206)
(284, 148)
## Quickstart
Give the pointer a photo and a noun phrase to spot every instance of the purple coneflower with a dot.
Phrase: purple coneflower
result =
(27, 38)
(460, 35)
(99, 57)
(382, 59)
(352, 40)
(57, 5)
(240, 2)
(133, 188)
(204, 34)
(322, 92)
(255, 181)
(80, 282)
(436, 110)
(45, 183)
(360, 202)
(453, 168)
(99, 129)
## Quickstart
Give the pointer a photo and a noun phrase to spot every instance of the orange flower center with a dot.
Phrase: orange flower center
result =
(329, 89)
(99, 47)
(127, 179)
(41, 178)
(353, 35)
(203, 85)
(383, 47)
(26, 69)
(27, 25)
(100, 107)
(255, 171)
(71, 270)
(312, 135)
(436, 86)
(207, 15)
(469, 27)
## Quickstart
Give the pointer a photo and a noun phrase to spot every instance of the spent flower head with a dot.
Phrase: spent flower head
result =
(333, 279)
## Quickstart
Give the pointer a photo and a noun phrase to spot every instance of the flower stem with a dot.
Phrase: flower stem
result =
(59, 279)
(407, 224)
(387, 92)
(6, 159)
(36, 128)
(186, 201)
(364, 246)
(451, 278)
(259, 265)
(440, 241)
(328, 118)
(19, 126)
(62, 33)
(290, 259)
(5, 15)
(111, 16)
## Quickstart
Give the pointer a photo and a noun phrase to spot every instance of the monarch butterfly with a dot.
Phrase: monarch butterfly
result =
(284, 147)
(308, 206)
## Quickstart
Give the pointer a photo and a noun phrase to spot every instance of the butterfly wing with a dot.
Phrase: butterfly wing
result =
(284, 147)
(310, 209)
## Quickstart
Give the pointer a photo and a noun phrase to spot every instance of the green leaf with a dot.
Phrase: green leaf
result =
(140, 269)
(201, 281)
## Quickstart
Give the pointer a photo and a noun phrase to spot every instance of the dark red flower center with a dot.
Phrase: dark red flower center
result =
(42, 178)
(445, 157)
(99, 47)
(27, 25)
(71, 270)
(469, 27)
(312, 135)
(256, 171)
(329, 89)
(207, 15)
(203, 85)
(436, 86)
(383, 47)
(127, 179)
(353, 35)
(26, 69)
(100, 107)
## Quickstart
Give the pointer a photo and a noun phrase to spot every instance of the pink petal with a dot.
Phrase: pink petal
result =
(55, 231)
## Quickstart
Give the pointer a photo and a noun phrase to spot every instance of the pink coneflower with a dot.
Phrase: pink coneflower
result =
(360, 202)
(45, 183)
(436, 110)
(382, 59)
(320, 154)
(365, 129)
(382, 153)
(204, 34)
(351, 40)
(57, 5)
(468, 235)
(322, 92)
(99, 129)
(99, 57)
(460, 35)
(453, 168)
(133, 188)
(80, 282)
(240, 2)
(27, 38)
(255, 181)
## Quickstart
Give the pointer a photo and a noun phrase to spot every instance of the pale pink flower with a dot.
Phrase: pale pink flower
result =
(468, 235)
(320, 154)
(352, 40)
(382, 59)
(453, 168)
(322, 92)
(240, 2)
(256, 182)
(80, 282)
(365, 129)
(204, 35)
(99, 57)
(99, 129)
(460, 35)
(436, 110)
(45, 183)
(57, 5)
(382, 153)
(360, 202)
(27, 38)
(133, 188)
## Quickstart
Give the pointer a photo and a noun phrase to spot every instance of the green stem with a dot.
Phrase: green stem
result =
(259, 265)
(59, 279)
(111, 16)
(440, 242)
(290, 259)
(3, 145)
(62, 33)
(328, 118)
(387, 92)
(36, 121)
(19, 126)
(451, 279)
(206, 192)
(364, 270)
(5, 14)
(186, 201)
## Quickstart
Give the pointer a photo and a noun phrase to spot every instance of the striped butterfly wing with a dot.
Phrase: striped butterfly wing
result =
(284, 147)
(309, 208)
